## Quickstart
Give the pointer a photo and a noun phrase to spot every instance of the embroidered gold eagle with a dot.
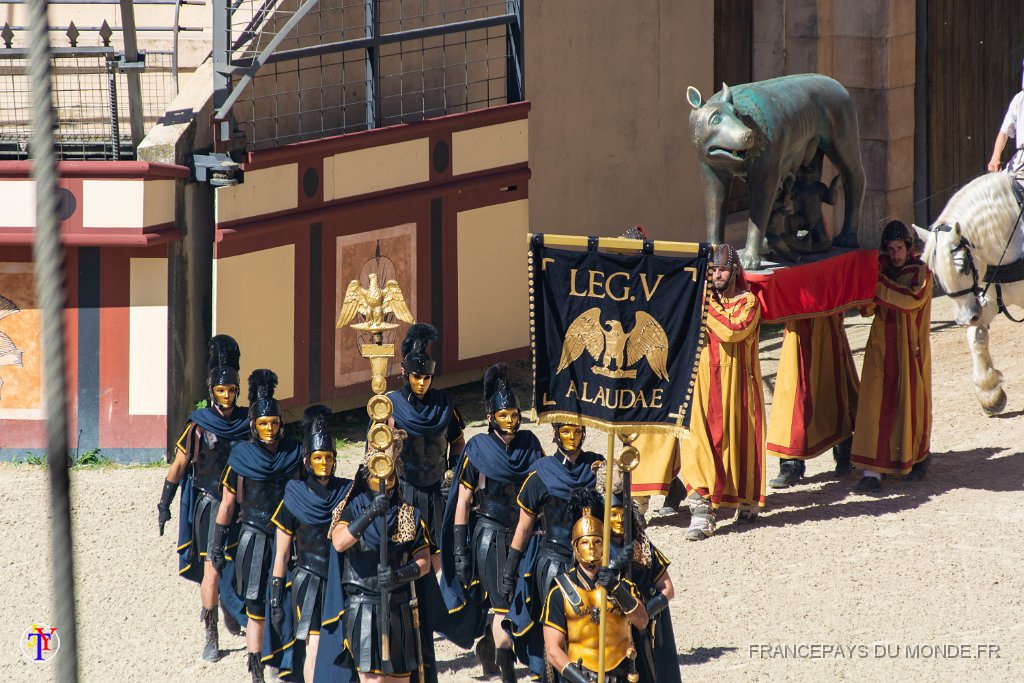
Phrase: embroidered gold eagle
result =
(373, 303)
(647, 340)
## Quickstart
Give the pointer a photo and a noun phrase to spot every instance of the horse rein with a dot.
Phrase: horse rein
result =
(997, 274)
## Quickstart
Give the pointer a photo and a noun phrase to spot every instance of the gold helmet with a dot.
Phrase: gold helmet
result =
(587, 538)
(587, 525)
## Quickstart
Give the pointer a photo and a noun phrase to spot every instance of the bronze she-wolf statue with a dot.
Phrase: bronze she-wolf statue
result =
(765, 132)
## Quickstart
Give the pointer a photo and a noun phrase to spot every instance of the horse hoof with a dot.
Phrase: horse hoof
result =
(846, 240)
(998, 406)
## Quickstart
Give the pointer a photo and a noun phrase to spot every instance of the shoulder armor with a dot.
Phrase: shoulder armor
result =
(570, 592)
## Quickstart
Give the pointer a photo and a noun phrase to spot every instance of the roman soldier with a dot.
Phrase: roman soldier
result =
(303, 519)
(405, 583)
(255, 478)
(434, 429)
(480, 518)
(656, 645)
(572, 610)
(201, 454)
(533, 562)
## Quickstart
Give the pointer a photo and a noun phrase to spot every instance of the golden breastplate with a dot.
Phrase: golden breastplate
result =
(583, 623)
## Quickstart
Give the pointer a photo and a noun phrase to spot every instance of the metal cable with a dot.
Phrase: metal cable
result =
(50, 292)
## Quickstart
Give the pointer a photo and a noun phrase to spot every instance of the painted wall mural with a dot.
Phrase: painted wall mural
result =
(9, 353)
(20, 342)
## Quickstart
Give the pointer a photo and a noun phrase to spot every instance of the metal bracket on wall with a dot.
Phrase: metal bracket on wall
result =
(139, 65)
(217, 169)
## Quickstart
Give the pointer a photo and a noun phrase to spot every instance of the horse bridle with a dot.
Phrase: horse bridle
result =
(965, 247)
(997, 277)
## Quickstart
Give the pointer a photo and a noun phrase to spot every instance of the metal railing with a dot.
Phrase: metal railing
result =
(106, 95)
(292, 70)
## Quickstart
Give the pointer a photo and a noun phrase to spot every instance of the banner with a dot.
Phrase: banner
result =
(616, 337)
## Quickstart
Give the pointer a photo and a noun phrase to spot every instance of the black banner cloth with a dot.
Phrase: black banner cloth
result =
(616, 337)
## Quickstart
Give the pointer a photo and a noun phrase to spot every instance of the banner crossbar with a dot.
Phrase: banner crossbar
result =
(619, 245)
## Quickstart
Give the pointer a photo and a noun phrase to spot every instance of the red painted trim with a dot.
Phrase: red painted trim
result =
(109, 237)
(377, 203)
(118, 429)
(382, 136)
(449, 286)
(515, 174)
(142, 170)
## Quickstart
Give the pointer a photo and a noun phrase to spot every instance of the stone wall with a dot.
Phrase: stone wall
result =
(869, 48)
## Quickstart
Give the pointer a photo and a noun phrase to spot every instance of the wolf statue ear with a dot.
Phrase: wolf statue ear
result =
(726, 93)
(693, 97)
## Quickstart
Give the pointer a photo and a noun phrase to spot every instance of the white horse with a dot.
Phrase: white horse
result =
(977, 230)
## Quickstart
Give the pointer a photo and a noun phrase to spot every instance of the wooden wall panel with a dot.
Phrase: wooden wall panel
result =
(974, 54)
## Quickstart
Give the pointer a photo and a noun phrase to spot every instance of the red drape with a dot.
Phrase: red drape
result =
(829, 286)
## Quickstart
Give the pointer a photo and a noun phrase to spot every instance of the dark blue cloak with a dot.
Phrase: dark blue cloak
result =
(333, 662)
(523, 619)
(253, 461)
(428, 417)
(190, 564)
(487, 453)
(283, 651)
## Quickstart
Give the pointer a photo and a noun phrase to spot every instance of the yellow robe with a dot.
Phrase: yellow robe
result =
(723, 454)
(815, 399)
(894, 415)
(658, 466)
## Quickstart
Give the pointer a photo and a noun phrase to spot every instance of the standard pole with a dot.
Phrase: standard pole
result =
(49, 274)
(602, 593)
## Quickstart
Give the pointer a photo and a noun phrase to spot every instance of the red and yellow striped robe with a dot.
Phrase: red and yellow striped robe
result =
(658, 466)
(815, 400)
(894, 416)
(723, 454)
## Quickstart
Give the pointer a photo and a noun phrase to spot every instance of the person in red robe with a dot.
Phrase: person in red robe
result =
(894, 414)
(723, 453)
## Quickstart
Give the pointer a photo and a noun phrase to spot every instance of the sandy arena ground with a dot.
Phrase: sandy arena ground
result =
(922, 583)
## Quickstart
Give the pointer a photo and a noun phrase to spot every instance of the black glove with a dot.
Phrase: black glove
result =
(573, 673)
(656, 605)
(622, 558)
(623, 597)
(510, 574)
(388, 578)
(377, 507)
(461, 552)
(163, 508)
(608, 577)
(276, 606)
(216, 552)
(446, 484)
